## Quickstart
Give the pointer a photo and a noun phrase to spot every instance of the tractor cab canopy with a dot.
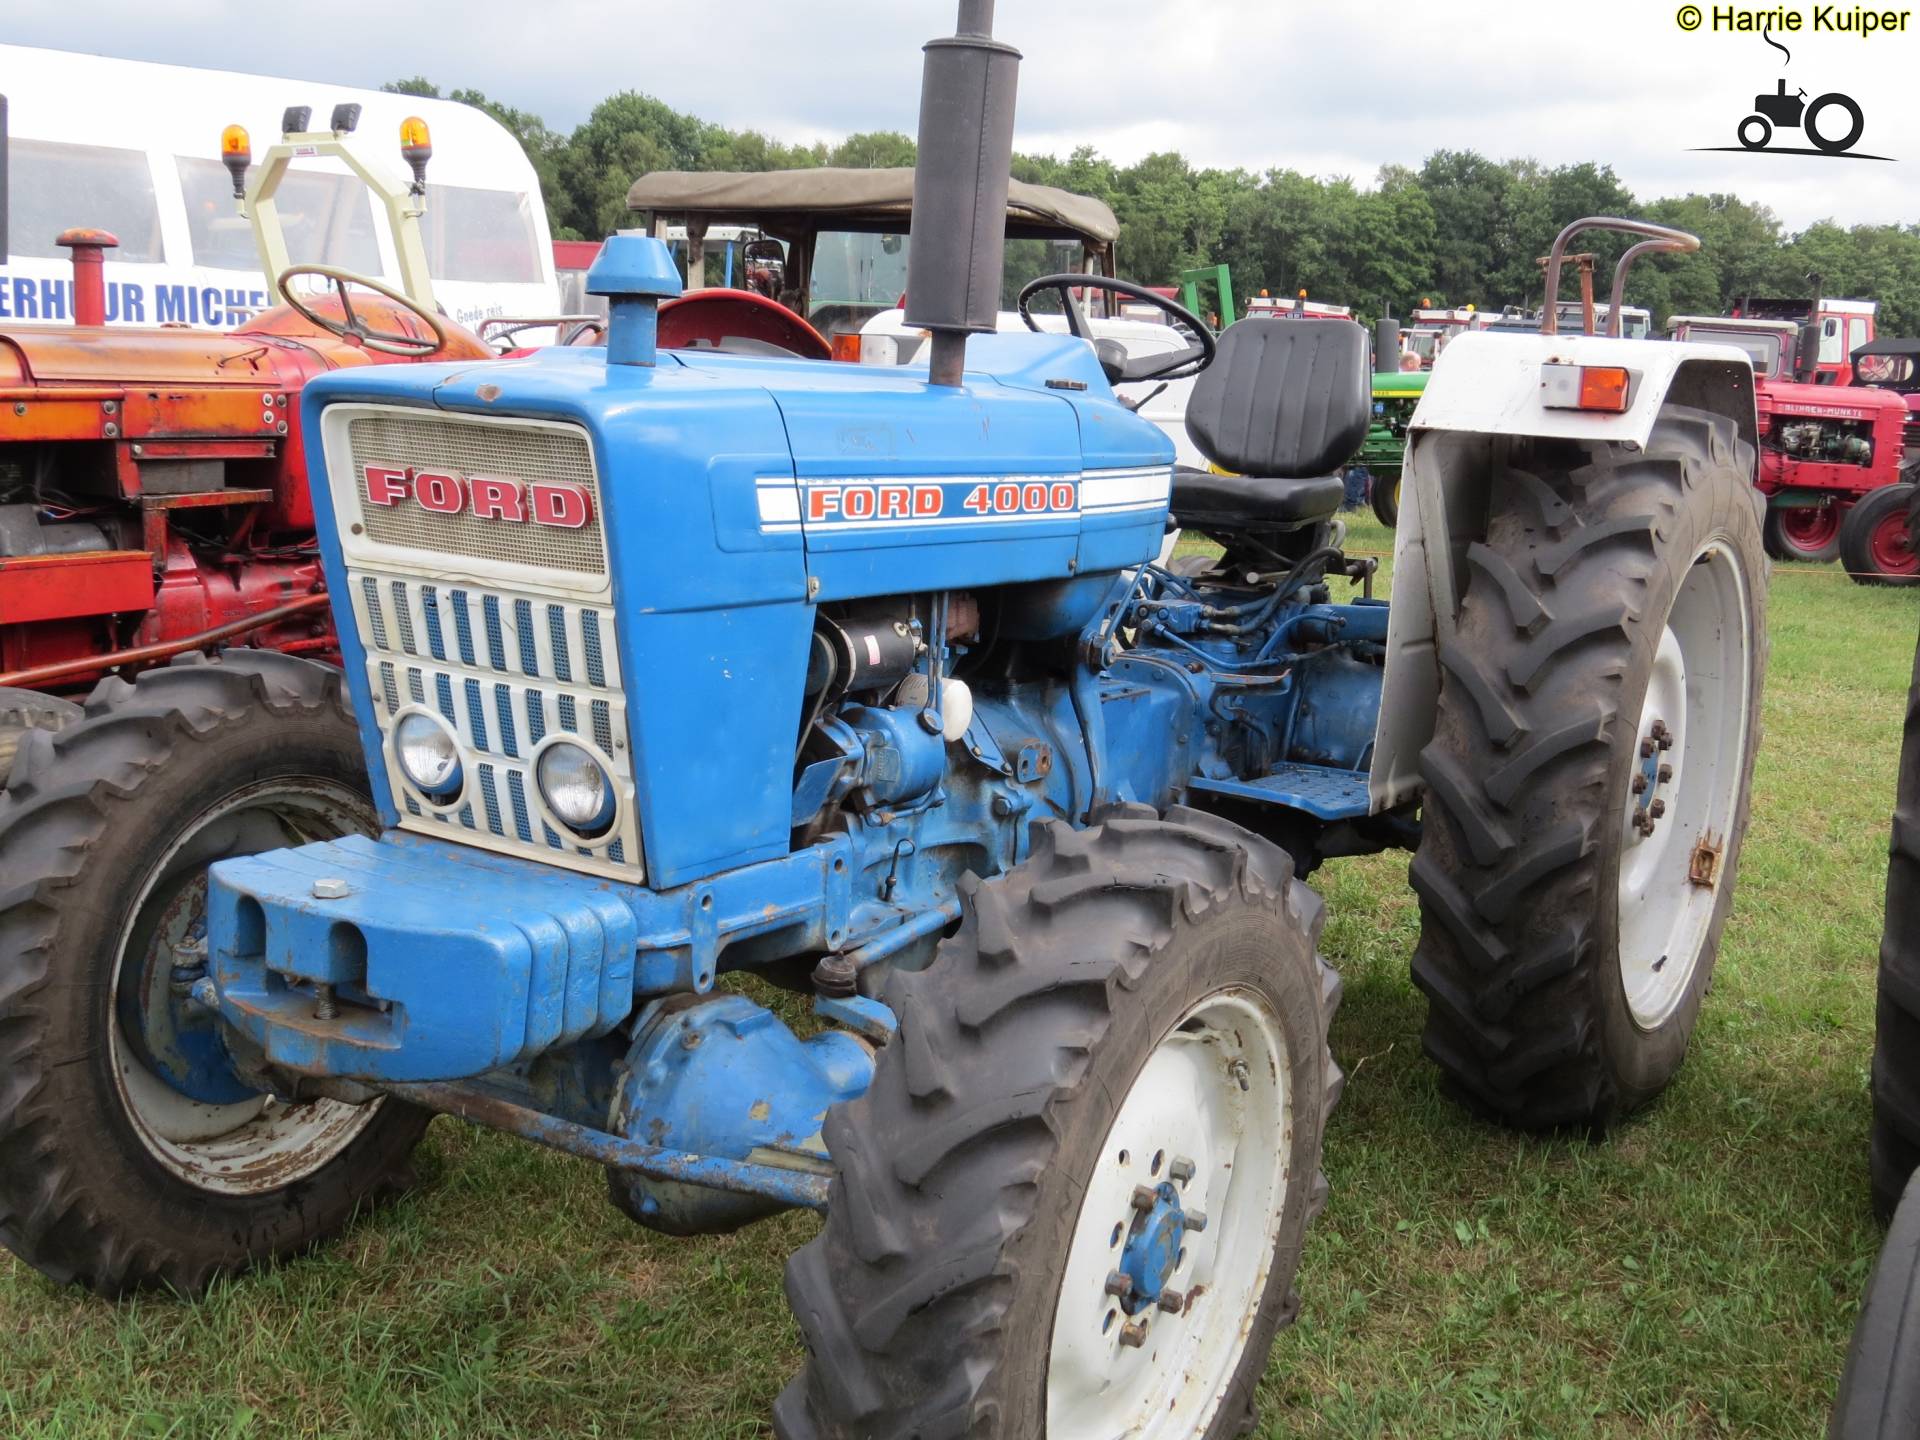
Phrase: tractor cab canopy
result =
(1889, 364)
(845, 233)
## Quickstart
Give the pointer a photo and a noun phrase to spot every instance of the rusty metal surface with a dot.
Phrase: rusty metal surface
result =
(48, 674)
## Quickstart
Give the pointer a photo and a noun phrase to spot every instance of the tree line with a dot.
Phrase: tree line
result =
(1461, 229)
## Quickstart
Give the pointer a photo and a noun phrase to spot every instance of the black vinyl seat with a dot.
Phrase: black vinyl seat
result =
(1208, 501)
(1283, 406)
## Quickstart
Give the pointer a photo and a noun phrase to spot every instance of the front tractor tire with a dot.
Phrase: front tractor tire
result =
(131, 1153)
(1073, 1200)
(1587, 784)
(1875, 546)
(1383, 493)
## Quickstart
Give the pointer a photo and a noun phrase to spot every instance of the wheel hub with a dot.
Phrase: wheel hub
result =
(1155, 1246)
(176, 1037)
(1158, 1296)
(1654, 772)
(1683, 785)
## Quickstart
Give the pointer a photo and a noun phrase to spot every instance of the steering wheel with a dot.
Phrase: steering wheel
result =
(499, 330)
(352, 329)
(1181, 363)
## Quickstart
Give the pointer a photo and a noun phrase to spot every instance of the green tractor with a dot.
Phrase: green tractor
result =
(1383, 452)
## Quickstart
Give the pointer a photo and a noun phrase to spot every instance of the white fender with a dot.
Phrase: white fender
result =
(1486, 386)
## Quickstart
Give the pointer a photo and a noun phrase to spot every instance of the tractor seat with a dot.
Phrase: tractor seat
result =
(1283, 406)
(1211, 502)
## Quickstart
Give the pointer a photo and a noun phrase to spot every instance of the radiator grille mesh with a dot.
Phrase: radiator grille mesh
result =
(473, 448)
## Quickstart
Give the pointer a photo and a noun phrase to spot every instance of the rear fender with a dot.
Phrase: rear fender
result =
(1485, 393)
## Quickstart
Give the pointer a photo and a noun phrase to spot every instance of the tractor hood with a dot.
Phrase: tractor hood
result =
(121, 357)
(772, 475)
(1825, 402)
(652, 542)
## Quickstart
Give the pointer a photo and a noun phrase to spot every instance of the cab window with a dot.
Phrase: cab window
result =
(1833, 349)
(55, 186)
(327, 219)
(1856, 333)
(486, 236)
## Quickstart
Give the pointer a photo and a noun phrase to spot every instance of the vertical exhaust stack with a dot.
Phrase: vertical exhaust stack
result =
(960, 187)
(1386, 345)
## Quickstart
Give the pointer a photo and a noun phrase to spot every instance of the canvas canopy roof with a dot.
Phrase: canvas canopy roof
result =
(830, 198)
(1889, 345)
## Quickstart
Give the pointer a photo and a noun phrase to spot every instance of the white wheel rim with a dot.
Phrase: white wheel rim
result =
(1670, 864)
(1213, 1092)
(260, 1143)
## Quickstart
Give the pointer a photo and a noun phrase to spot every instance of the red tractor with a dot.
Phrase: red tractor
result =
(1893, 365)
(153, 485)
(1828, 448)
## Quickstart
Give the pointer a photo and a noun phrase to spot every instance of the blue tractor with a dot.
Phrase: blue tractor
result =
(668, 668)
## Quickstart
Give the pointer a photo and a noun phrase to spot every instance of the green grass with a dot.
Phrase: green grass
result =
(1695, 1275)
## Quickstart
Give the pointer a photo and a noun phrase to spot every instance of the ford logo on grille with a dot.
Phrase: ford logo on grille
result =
(484, 497)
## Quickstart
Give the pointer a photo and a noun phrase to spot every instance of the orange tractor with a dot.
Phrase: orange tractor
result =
(153, 486)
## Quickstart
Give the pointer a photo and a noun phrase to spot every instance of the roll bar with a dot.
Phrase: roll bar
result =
(1663, 239)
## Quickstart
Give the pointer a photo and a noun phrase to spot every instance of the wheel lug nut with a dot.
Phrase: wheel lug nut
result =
(1144, 1197)
(1647, 747)
(1119, 1285)
(1657, 809)
(1172, 1301)
(1195, 1220)
(1133, 1334)
(1639, 781)
(1182, 1169)
(1666, 773)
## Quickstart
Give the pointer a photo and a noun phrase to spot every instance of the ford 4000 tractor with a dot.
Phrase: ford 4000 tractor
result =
(668, 667)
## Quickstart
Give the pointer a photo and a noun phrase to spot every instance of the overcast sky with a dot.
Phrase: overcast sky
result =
(1337, 88)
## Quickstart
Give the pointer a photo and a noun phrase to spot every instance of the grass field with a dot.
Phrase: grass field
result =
(1695, 1275)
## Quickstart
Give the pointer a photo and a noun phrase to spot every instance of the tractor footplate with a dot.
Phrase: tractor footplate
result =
(1320, 790)
(400, 960)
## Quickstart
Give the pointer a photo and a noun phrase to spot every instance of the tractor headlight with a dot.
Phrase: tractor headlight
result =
(576, 788)
(429, 755)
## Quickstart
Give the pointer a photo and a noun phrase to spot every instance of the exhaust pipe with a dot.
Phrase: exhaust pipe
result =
(959, 228)
(1806, 360)
(1386, 345)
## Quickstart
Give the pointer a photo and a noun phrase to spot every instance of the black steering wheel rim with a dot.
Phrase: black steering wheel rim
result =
(1177, 366)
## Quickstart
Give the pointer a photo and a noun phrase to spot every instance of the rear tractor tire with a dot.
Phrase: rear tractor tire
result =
(1587, 784)
(22, 711)
(1808, 534)
(1073, 1200)
(131, 1153)
(1894, 1146)
(1875, 546)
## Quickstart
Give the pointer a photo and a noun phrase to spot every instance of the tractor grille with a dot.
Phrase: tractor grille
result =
(431, 441)
(505, 670)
